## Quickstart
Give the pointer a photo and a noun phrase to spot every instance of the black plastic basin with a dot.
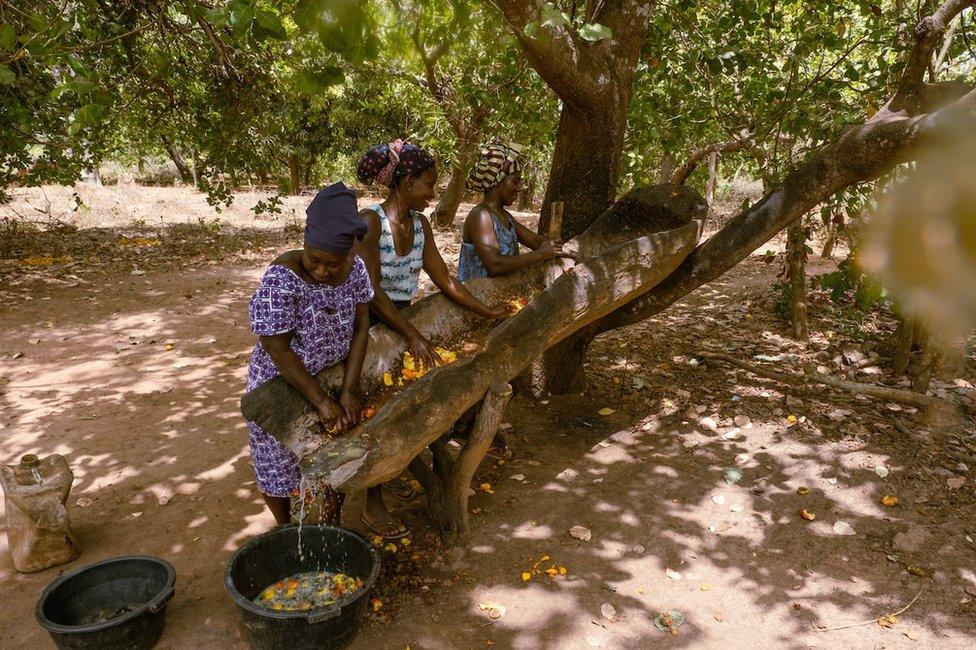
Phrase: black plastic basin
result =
(271, 557)
(115, 603)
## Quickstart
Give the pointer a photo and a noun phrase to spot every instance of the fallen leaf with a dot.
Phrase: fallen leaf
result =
(791, 419)
(889, 500)
(391, 547)
(732, 475)
(705, 586)
(807, 515)
(84, 502)
(912, 635)
(607, 411)
(486, 487)
(608, 611)
(376, 604)
(955, 482)
(517, 477)
(719, 616)
(581, 533)
(916, 570)
(526, 576)
(494, 610)
(718, 499)
(169, 347)
(803, 490)
(888, 620)
(843, 528)
(563, 570)
(387, 379)
(669, 622)
(672, 574)
(881, 471)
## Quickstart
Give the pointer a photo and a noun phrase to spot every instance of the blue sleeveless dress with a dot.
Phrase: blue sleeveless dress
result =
(470, 265)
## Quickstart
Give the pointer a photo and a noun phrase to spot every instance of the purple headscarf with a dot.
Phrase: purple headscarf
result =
(388, 163)
(332, 220)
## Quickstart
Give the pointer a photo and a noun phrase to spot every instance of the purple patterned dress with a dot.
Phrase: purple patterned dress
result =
(322, 318)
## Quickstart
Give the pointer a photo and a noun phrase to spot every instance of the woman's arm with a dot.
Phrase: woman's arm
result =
(481, 229)
(349, 395)
(448, 283)
(525, 236)
(369, 250)
(295, 373)
(535, 241)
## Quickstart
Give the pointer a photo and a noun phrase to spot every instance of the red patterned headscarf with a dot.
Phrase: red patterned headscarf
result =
(388, 163)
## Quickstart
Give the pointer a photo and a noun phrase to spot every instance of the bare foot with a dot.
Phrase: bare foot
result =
(378, 519)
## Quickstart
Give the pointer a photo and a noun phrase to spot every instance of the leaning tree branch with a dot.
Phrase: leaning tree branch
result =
(862, 153)
(928, 32)
(684, 171)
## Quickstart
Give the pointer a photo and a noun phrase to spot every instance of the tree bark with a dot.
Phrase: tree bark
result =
(186, 176)
(836, 222)
(446, 210)
(530, 176)
(712, 177)
(796, 256)
(294, 173)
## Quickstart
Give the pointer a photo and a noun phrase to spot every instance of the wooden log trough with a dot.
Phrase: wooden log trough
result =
(634, 245)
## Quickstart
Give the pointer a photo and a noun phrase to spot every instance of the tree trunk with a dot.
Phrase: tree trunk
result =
(196, 165)
(665, 172)
(446, 481)
(529, 180)
(446, 210)
(294, 174)
(712, 177)
(184, 170)
(307, 176)
(836, 222)
(585, 165)
(796, 256)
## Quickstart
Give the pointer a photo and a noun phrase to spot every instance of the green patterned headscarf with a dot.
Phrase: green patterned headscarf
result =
(496, 160)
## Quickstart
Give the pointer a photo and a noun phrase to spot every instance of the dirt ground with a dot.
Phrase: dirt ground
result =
(124, 343)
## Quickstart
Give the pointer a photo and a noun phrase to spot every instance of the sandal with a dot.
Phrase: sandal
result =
(402, 490)
(401, 533)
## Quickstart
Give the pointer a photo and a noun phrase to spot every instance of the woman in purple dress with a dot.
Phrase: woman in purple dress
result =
(311, 311)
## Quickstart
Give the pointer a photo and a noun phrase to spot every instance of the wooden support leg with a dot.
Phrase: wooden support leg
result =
(457, 482)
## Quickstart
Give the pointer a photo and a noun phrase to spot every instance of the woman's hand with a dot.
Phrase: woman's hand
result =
(546, 250)
(496, 312)
(350, 403)
(563, 252)
(333, 416)
(423, 351)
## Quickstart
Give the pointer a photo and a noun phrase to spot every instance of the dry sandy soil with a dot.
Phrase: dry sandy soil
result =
(135, 378)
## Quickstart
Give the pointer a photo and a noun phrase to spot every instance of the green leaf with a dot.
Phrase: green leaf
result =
(312, 82)
(8, 37)
(241, 17)
(269, 24)
(551, 16)
(531, 29)
(7, 76)
(89, 114)
(595, 32)
(216, 16)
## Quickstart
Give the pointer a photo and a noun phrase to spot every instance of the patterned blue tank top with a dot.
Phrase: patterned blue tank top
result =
(400, 276)
(470, 265)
